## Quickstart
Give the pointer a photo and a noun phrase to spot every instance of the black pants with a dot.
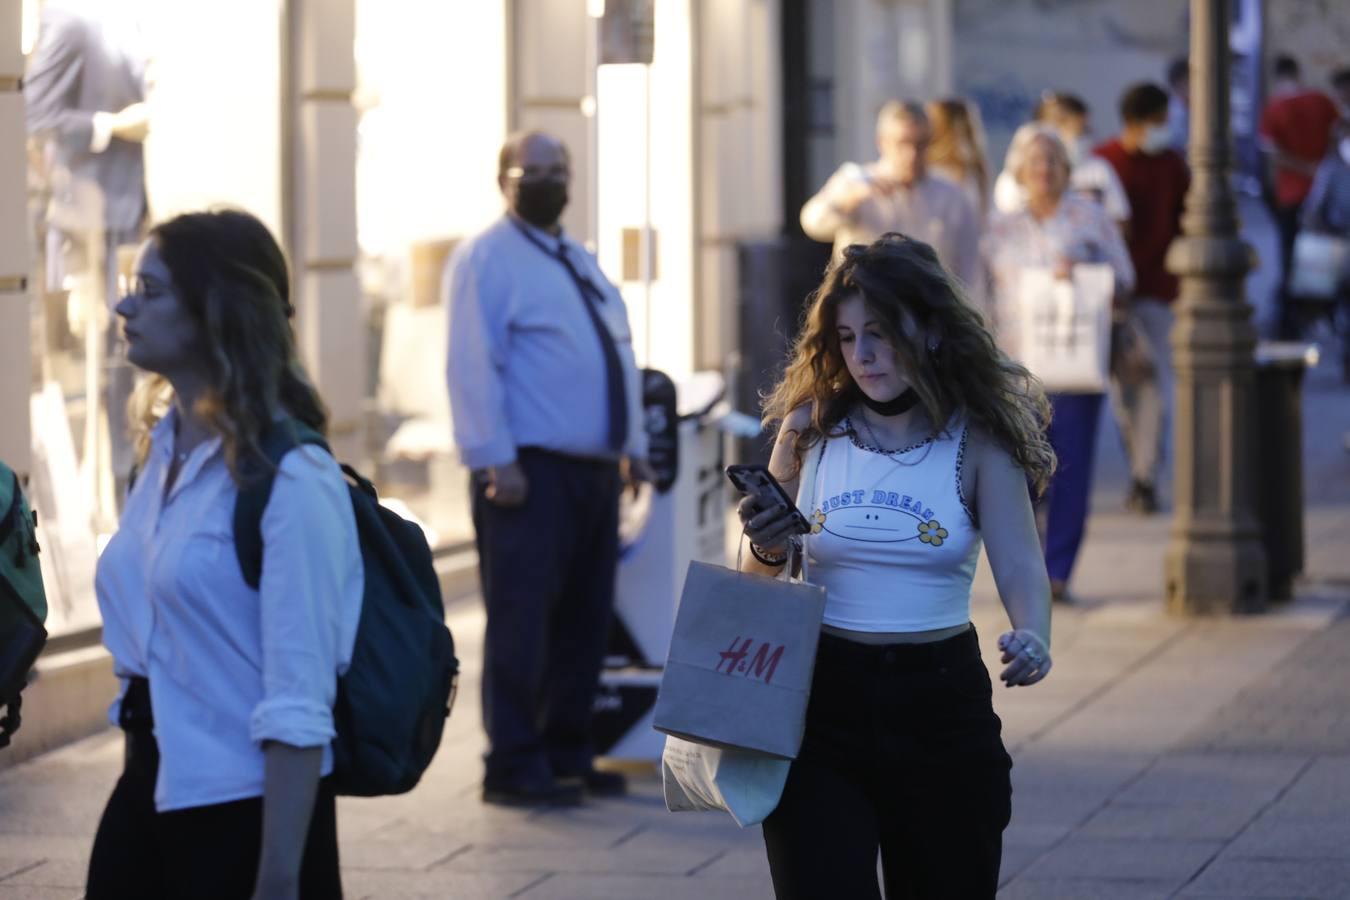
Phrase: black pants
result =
(902, 754)
(201, 853)
(547, 573)
(1286, 316)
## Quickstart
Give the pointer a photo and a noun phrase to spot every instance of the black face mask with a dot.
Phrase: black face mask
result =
(541, 202)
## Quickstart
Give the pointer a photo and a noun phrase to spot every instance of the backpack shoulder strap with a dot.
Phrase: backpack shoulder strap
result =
(283, 436)
(10, 500)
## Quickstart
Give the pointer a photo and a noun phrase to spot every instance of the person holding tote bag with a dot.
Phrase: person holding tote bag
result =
(1058, 230)
(926, 442)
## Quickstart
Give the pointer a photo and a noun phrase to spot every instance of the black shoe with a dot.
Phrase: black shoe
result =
(546, 793)
(1142, 498)
(1059, 593)
(599, 784)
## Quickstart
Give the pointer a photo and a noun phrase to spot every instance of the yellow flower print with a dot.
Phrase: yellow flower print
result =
(818, 522)
(932, 533)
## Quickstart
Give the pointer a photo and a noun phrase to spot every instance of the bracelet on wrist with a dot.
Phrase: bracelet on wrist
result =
(768, 559)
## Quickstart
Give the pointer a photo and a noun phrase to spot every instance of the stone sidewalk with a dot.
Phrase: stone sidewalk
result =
(1162, 758)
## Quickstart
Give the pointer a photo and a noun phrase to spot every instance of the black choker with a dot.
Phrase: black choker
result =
(893, 407)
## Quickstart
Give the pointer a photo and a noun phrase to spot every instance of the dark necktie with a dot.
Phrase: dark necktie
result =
(591, 296)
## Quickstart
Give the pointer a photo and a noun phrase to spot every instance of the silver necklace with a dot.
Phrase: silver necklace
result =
(862, 414)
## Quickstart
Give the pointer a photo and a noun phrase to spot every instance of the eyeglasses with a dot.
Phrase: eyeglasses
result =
(539, 173)
(145, 287)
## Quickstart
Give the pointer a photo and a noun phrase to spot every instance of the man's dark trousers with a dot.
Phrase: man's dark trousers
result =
(1287, 220)
(547, 571)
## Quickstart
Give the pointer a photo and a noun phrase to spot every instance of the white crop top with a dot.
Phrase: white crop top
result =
(892, 540)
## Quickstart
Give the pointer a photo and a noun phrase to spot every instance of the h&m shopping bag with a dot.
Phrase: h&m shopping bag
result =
(1065, 327)
(740, 664)
(745, 783)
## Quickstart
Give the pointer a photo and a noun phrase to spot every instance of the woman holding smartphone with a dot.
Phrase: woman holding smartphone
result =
(926, 442)
(227, 691)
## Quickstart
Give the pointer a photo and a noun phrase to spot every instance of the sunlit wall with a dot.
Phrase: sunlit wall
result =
(432, 90)
(216, 126)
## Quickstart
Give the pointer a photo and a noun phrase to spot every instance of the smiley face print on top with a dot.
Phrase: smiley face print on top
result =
(892, 540)
(878, 516)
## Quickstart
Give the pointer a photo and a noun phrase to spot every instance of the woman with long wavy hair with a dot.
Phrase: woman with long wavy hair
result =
(227, 691)
(925, 441)
(957, 149)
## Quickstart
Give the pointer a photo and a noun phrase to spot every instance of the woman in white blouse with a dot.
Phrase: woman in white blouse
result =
(227, 691)
(1056, 229)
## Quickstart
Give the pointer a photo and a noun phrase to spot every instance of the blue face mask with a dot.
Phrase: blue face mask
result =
(541, 202)
(1156, 139)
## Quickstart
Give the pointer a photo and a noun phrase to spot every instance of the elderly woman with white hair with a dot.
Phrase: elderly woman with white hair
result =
(1056, 228)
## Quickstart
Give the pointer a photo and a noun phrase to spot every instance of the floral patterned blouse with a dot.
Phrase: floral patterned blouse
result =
(1079, 231)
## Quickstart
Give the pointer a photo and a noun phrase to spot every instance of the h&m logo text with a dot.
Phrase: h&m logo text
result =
(738, 661)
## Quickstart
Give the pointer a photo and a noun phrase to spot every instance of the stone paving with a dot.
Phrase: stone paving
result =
(1163, 758)
(1303, 704)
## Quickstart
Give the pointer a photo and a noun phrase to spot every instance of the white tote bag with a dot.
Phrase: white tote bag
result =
(1065, 327)
(699, 777)
(1319, 265)
(743, 783)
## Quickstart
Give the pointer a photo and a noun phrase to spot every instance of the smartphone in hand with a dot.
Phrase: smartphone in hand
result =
(757, 481)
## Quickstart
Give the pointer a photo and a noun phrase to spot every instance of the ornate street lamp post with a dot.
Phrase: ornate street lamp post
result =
(1215, 561)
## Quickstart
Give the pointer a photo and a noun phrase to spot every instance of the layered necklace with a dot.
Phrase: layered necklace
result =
(894, 407)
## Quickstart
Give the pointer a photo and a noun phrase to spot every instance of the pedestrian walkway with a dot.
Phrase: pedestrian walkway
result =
(1163, 757)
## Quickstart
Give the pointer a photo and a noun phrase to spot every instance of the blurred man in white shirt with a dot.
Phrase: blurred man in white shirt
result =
(860, 203)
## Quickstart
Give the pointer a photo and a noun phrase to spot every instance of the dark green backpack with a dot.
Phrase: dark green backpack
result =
(23, 602)
(393, 700)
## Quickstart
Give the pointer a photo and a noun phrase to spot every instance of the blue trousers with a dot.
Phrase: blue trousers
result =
(547, 572)
(1073, 435)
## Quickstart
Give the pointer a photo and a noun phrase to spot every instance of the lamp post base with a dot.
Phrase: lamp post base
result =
(1222, 573)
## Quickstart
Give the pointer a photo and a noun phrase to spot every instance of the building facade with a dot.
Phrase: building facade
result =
(365, 134)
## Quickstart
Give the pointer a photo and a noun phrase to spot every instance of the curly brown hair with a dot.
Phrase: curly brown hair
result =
(230, 274)
(951, 359)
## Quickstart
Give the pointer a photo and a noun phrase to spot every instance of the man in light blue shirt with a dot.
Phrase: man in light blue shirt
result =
(546, 403)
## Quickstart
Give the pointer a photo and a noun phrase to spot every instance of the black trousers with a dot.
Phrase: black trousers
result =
(201, 853)
(1286, 317)
(547, 573)
(903, 755)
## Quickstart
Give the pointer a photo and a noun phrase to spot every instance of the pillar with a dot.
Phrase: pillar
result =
(1215, 562)
(321, 220)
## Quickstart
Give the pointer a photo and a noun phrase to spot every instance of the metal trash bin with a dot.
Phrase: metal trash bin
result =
(1277, 443)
